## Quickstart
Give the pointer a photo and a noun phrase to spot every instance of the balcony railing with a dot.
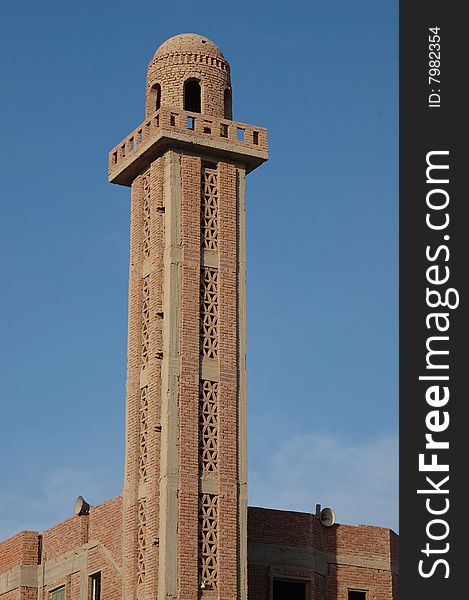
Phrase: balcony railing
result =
(241, 135)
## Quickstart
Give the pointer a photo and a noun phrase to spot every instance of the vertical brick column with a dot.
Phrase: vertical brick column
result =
(228, 385)
(242, 399)
(185, 498)
(176, 507)
(170, 374)
(130, 493)
(154, 268)
(145, 355)
(189, 378)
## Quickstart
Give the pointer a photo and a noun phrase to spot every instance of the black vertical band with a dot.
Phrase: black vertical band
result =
(434, 342)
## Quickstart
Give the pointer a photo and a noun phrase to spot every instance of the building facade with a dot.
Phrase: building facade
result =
(181, 528)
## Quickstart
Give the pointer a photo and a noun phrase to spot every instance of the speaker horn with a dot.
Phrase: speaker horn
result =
(81, 507)
(327, 517)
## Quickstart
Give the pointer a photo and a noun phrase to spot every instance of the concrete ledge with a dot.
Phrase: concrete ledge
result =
(48, 572)
(20, 576)
(126, 170)
(311, 559)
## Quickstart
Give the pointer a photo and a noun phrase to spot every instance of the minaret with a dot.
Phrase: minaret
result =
(184, 498)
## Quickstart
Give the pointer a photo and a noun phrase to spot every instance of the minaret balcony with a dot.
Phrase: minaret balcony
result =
(192, 132)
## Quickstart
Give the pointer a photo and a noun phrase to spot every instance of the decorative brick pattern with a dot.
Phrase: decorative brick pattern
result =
(208, 427)
(209, 312)
(209, 209)
(208, 541)
(143, 433)
(141, 542)
(145, 320)
(146, 215)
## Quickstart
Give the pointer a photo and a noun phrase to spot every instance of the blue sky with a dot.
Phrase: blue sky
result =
(321, 247)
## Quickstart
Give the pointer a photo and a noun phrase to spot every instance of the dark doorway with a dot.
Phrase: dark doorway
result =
(155, 97)
(356, 595)
(289, 590)
(228, 113)
(192, 95)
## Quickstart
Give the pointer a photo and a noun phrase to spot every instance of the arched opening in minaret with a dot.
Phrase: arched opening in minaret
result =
(192, 95)
(155, 95)
(227, 105)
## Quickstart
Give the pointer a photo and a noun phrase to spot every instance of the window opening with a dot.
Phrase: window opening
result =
(192, 95)
(58, 594)
(357, 595)
(155, 97)
(227, 105)
(157, 88)
(95, 586)
(289, 590)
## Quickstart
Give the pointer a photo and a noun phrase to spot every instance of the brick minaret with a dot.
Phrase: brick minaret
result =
(185, 501)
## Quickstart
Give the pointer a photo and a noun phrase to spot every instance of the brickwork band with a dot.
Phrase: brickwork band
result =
(208, 390)
(143, 422)
(208, 427)
(197, 201)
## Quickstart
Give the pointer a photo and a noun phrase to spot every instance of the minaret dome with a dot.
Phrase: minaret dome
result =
(189, 72)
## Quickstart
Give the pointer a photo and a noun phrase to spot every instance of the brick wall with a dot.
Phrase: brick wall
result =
(105, 525)
(363, 540)
(62, 538)
(331, 560)
(21, 593)
(21, 549)
(70, 552)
